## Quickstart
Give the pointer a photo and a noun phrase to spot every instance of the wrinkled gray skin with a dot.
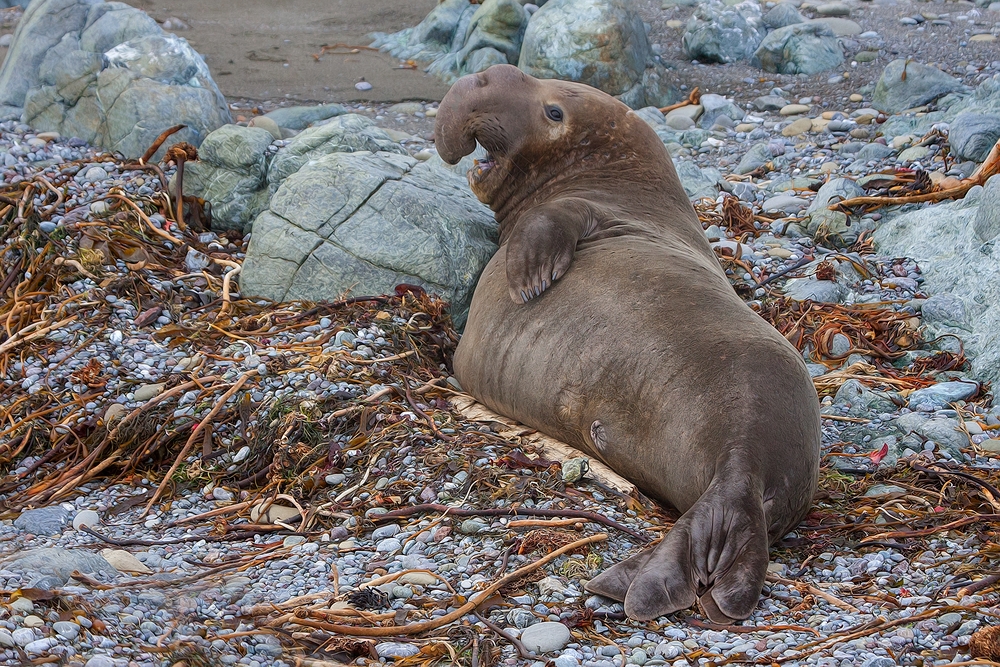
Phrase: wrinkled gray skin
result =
(632, 346)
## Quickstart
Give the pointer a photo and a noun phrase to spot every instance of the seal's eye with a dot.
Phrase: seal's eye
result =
(554, 113)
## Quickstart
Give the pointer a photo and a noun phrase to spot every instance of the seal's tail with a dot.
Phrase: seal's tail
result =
(716, 554)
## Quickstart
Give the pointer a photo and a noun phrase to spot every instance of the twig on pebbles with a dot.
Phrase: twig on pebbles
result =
(207, 419)
(511, 511)
(832, 599)
(473, 603)
(514, 641)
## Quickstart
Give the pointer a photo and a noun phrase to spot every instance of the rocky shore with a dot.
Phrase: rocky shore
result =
(194, 474)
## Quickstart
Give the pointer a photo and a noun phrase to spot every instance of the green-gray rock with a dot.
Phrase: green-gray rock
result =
(238, 176)
(954, 259)
(40, 29)
(601, 43)
(781, 15)
(362, 223)
(803, 48)
(721, 34)
(458, 38)
(921, 84)
(299, 118)
(696, 183)
(497, 25)
(114, 79)
(755, 158)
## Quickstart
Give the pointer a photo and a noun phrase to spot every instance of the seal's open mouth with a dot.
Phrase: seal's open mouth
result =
(482, 166)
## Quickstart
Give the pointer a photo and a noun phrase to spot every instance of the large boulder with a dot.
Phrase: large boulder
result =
(107, 73)
(494, 35)
(782, 14)
(802, 48)
(719, 33)
(955, 245)
(601, 43)
(458, 37)
(238, 170)
(361, 223)
(905, 84)
(38, 32)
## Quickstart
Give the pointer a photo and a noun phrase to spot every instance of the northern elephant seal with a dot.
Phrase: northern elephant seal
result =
(605, 320)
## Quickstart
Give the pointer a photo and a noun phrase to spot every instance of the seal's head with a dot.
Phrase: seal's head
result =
(534, 131)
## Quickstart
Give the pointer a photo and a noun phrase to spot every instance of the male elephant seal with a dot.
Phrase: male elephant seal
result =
(605, 320)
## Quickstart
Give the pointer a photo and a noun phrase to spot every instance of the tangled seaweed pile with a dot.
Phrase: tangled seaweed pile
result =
(237, 437)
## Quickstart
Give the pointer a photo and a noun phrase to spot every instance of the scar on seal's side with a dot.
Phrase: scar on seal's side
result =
(605, 320)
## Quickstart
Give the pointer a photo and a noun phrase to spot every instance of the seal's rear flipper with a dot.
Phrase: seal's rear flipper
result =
(715, 553)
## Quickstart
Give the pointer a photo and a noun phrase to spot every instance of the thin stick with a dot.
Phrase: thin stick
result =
(396, 575)
(979, 585)
(149, 223)
(832, 599)
(521, 648)
(151, 151)
(543, 523)
(218, 511)
(194, 435)
(482, 596)
(512, 511)
(930, 531)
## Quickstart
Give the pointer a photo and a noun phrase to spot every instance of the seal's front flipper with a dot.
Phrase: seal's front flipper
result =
(715, 553)
(541, 245)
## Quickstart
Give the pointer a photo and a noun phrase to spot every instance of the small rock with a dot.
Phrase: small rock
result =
(33, 621)
(148, 391)
(396, 650)
(123, 561)
(22, 606)
(88, 518)
(938, 396)
(800, 126)
(793, 109)
(43, 521)
(545, 637)
(101, 661)
(363, 86)
(67, 629)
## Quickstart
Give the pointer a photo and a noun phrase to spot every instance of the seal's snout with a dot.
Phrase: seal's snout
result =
(453, 135)
(471, 98)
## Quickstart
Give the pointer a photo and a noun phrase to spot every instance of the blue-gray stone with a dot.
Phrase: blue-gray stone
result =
(755, 158)
(802, 48)
(601, 43)
(396, 650)
(972, 135)
(44, 520)
(545, 637)
(781, 15)
(299, 118)
(922, 84)
(722, 34)
(944, 308)
(941, 395)
(59, 563)
(365, 222)
(879, 661)
(987, 223)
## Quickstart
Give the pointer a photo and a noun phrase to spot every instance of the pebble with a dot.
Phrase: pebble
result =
(546, 637)
(396, 650)
(88, 518)
(794, 109)
(795, 128)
